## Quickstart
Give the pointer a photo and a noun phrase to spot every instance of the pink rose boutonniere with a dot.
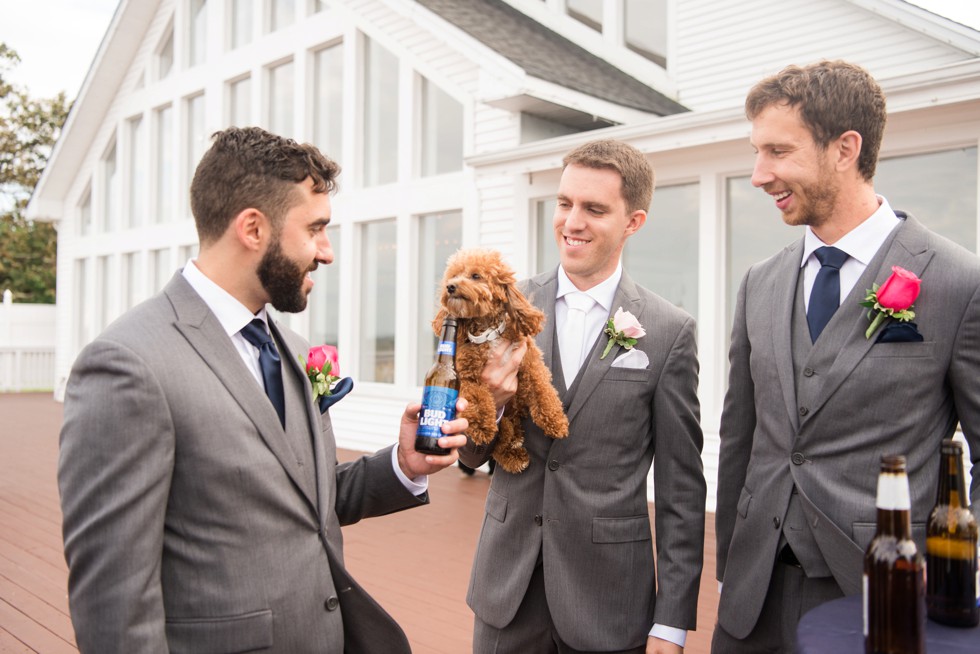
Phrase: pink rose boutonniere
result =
(893, 299)
(622, 329)
(322, 366)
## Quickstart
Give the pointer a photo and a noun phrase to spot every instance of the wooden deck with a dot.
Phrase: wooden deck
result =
(416, 563)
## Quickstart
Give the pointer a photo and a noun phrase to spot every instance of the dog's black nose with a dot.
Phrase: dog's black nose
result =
(451, 289)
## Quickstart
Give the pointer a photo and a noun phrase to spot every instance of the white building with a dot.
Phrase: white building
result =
(450, 119)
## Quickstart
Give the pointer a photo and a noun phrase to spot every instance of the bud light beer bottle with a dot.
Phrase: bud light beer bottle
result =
(441, 391)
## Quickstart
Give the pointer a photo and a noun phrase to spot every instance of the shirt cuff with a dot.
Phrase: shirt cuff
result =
(415, 486)
(670, 634)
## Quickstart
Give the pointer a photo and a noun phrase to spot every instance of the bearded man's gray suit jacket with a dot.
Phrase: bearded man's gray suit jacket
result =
(193, 521)
(804, 426)
(581, 505)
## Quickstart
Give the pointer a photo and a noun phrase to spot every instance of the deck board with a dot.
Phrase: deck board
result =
(415, 563)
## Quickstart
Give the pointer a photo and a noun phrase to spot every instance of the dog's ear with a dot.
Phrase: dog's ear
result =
(523, 316)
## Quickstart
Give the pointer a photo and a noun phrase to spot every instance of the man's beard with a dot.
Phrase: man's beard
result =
(821, 202)
(283, 280)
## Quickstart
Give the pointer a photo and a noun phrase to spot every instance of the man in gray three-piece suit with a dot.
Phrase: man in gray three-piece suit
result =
(565, 560)
(813, 403)
(201, 493)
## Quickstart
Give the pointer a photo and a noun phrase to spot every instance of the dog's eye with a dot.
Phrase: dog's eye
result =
(475, 276)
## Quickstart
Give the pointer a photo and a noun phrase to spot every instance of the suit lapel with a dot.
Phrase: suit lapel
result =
(909, 249)
(541, 293)
(784, 296)
(594, 368)
(205, 334)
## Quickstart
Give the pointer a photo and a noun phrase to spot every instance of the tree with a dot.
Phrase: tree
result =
(29, 128)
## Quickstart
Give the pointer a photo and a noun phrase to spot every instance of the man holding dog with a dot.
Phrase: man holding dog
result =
(817, 393)
(564, 563)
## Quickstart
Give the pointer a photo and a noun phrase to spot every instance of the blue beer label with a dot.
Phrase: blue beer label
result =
(446, 347)
(438, 406)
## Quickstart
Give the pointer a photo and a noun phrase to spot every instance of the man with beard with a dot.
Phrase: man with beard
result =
(817, 393)
(201, 495)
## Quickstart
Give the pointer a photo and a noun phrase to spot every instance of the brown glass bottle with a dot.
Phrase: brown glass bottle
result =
(894, 584)
(440, 394)
(952, 590)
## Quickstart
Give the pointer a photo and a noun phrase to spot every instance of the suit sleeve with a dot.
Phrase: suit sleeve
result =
(736, 432)
(964, 373)
(679, 486)
(114, 474)
(368, 487)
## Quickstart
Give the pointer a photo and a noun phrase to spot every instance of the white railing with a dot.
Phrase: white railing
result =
(26, 369)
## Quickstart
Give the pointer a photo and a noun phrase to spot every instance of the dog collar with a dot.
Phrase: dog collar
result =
(490, 334)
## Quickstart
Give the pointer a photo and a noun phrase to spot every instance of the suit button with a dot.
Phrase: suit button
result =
(775, 522)
(538, 520)
(553, 464)
(804, 410)
(332, 603)
(808, 372)
(798, 458)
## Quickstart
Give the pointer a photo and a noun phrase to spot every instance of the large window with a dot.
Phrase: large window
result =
(197, 140)
(645, 23)
(377, 278)
(130, 279)
(137, 173)
(938, 188)
(439, 235)
(663, 255)
(104, 284)
(328, 81)
(160, 272)
(165, 55)
(241, 23)
(325, 298)
(85, 214)
(281, 13)
(164, 170)
(240, 102)
(380, 126)
(110, 190)
(197, 32)
(442, 131)
(586, 11)
(545, 248)
(280, 99)
(80, 305)
(756, 231)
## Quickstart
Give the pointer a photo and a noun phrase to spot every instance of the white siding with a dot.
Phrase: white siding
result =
(723, 47)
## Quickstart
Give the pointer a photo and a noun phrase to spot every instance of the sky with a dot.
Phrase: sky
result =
(57, 39)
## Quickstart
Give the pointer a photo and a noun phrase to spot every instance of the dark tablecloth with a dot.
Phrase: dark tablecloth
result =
(837, 627)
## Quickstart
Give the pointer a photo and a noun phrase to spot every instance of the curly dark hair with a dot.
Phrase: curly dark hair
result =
(833, 97)
(247, 167)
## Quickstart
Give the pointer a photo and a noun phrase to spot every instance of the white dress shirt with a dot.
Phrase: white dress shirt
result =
(233, 315)
(861, 244)
(604, 295)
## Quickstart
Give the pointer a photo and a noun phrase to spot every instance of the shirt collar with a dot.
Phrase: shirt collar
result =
(232, 314)
(604, 293)
(862, 242)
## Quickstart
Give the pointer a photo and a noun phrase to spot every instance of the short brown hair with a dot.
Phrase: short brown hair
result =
(247, 167)
(634, 169)
(833, 97)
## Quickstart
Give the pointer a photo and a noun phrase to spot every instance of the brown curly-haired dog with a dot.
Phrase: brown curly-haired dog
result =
(479, 290)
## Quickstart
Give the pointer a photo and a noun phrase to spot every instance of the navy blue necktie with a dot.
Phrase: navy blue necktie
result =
(825, 295)
(269, 362)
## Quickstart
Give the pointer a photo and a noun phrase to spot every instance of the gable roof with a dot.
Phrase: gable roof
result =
(544, 54)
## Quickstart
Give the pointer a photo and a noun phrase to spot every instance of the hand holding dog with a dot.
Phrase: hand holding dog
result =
(415, 464)
(500, 372)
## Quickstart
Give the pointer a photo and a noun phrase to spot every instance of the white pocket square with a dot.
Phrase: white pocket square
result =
(632, 359)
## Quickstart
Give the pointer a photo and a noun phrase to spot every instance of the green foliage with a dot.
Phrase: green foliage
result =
(29, 128)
